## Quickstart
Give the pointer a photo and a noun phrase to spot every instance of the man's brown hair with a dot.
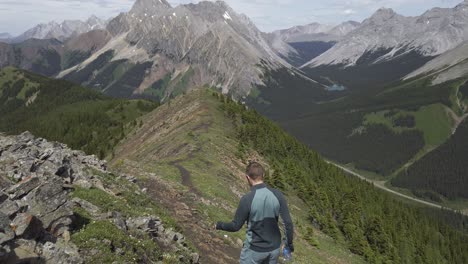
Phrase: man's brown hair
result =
(255, 171)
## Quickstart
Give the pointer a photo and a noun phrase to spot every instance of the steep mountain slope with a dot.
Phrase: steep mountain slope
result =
(187, 157)
(210, 141)
(448, 66)
(49, 56)
(309, 41)
(59, 110)
(316, 32)
(434, 32)
(62, 31)
(186, 154)
(168, 50)
(387, 47)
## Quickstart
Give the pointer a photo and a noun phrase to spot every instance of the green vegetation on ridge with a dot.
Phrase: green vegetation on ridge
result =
(64, 112)
(374, 224)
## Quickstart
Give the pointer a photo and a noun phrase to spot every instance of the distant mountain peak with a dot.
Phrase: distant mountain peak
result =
(5, 35)
(150, 5)
(433, 33)
(383, 14)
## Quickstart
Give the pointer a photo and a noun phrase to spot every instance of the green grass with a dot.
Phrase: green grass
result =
(134, 249)
(129, 201)
(432, 120)
(182, 83)
(206, 146)
(435, 123)
(158, 89)
(12, 75)
(64, 112)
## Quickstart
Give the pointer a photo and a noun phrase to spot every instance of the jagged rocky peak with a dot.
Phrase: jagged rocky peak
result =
(382, 15)
(142, 6)
(211, 11)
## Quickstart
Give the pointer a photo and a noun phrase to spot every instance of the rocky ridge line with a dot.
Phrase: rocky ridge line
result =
(37, 210)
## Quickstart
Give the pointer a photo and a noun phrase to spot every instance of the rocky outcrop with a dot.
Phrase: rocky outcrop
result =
(37, 210)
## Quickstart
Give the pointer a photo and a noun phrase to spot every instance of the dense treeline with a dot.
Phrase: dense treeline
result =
(336, 127)
(61, 111)
(374, 224)
(407, 121)
(444, 170)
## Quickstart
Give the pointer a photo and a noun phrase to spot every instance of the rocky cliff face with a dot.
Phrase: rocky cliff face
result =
(434, 32)
(208, 41)
(448, 66)
(37, 206)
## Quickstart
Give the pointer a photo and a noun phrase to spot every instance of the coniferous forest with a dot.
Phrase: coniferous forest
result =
(62, 111)
(373, 224)
(444, 170)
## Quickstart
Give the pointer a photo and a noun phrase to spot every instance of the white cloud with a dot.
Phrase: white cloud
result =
(349, 12)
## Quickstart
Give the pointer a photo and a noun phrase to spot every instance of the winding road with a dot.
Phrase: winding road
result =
(381, 185)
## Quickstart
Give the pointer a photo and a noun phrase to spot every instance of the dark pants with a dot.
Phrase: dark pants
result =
(249, 256)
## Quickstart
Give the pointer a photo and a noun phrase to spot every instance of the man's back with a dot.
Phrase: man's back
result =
(261, 209)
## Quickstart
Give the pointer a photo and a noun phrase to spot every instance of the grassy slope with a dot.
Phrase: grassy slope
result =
(432, 120)
(187, 151)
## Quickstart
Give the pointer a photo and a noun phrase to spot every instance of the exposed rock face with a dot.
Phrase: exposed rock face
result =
(37, 211)
(62, 31)
(448, 66)
(434, 32)
(218, 46)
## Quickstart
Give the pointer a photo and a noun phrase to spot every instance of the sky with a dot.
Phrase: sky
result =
(16, 16)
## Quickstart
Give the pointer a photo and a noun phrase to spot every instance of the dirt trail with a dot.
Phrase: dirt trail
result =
(186, 176)
(381, 185)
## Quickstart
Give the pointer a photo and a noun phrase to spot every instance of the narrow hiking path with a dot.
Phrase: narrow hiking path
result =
(381, 185)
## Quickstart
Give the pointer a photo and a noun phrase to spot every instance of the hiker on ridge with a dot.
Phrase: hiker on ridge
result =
(261, 207)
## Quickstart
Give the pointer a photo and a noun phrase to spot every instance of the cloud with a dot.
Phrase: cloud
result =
(349, 12)
(17, 16)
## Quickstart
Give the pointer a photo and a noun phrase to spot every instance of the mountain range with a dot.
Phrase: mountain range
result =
(172, 171)
(347, 90)
(316, 32)
(60, 31)
(188, 45)
(433, 33)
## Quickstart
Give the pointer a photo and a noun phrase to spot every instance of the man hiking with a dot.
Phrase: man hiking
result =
(261, 207)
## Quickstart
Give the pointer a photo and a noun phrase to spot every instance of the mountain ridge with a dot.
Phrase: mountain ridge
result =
(204, 43)
(61, 31)
(386, 29)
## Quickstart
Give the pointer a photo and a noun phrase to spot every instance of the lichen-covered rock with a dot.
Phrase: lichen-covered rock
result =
(35, 205)
(38, 210)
